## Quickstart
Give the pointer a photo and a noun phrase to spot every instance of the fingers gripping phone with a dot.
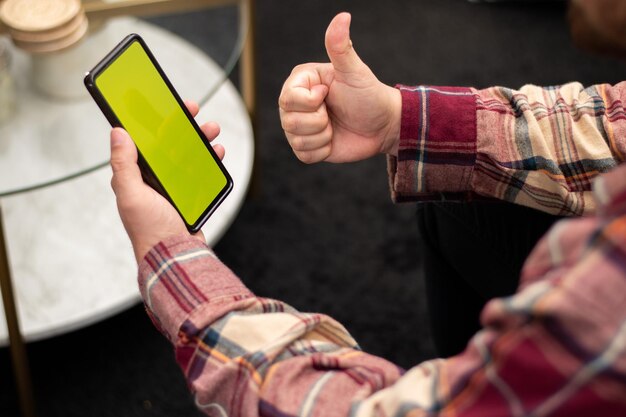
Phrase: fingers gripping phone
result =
(175, 157)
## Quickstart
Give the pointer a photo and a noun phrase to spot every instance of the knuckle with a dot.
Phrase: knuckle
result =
(298, 68)
(115, 184)
(284, 101)
(298, 143)
(116, 165)
(304, 157)
(289, 123)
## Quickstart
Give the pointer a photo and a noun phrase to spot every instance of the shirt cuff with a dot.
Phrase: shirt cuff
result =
(178, 276)
(437, 148)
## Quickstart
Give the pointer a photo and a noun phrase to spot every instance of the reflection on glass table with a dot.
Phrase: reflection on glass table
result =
(70, 260)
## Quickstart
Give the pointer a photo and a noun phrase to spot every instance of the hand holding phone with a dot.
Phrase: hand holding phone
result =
(147, 216)
(175, 157)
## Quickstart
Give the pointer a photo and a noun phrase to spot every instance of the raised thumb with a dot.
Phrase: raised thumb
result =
(339, 46)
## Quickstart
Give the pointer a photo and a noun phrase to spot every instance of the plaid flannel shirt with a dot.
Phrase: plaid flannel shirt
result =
(555, 348)
(538, 147)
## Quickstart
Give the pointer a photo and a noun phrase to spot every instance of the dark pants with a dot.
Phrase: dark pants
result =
(472, 252)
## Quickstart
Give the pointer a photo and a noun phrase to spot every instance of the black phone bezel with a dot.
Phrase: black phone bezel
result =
(149, 176)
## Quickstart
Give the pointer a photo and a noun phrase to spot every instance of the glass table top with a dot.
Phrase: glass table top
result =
(53, 138)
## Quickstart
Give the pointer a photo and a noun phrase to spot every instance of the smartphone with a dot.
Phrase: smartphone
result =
(175, 157)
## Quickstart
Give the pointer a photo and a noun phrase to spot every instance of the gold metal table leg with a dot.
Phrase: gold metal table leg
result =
(248, 60)
(248, 81)
(16, 342)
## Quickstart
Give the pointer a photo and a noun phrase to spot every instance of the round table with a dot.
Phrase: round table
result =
(70, 259)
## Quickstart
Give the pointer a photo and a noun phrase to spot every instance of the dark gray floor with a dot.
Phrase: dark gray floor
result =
(323, 237)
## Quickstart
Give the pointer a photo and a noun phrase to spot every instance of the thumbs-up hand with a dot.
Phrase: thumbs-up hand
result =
(339, 111)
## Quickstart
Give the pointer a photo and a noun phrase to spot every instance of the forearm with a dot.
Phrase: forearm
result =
(249, 355)
(538, 147)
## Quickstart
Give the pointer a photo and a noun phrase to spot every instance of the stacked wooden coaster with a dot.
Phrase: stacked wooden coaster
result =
(40, 26)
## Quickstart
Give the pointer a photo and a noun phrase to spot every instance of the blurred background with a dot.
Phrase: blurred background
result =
(325, 237)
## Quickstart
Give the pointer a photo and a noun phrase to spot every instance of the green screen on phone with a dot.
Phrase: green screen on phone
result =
(169, 142)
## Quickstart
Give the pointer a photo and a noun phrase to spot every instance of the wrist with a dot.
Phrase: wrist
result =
(392, 137)
(145, 243)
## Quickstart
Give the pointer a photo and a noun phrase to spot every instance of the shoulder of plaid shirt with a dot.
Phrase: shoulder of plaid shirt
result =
(557, 347)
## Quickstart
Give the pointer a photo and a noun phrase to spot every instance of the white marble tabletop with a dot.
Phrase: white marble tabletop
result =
(71, 261)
